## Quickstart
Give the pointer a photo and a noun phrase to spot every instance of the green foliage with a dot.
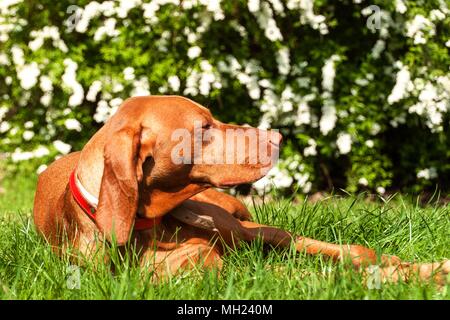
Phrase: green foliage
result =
(248, 71)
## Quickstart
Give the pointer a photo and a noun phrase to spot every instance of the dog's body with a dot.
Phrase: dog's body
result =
(127, 166)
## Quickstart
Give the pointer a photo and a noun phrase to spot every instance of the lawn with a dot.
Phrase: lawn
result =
(29, 270)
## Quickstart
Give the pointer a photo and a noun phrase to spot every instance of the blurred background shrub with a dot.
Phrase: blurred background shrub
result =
(360, 89)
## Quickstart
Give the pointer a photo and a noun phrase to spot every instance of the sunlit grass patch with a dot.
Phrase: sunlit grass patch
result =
(30, 270)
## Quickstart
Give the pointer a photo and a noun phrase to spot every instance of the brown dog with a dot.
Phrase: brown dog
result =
(132, 173)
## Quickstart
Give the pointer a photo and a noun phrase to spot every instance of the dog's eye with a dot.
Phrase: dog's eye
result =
(206, 126)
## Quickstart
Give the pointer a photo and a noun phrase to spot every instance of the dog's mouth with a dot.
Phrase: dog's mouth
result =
(232, 183)
(229, 184)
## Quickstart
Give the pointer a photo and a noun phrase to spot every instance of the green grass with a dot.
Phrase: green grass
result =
(29, 270)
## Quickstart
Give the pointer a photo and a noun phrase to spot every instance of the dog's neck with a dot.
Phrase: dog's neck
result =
(90, 165)
(153, 203)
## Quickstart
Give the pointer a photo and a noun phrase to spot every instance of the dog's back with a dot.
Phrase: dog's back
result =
(51, 187)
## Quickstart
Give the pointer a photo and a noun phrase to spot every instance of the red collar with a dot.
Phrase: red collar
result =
(139, 223)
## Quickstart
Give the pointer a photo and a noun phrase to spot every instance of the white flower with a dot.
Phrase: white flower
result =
(45, 83)
(283, 180)
(283, 61)
(69, 80)
(307, 16)
(107, 29)
(437, 15)
(174, 83)
(191, 37)
(77, 97)
(311, 149)
(103, 111)
(370, 143)
(128, 73)
(303, 114)
(280, 178)
(214, 7)
(344, 143)
(28, 135)
(403, 80)
(14, 131)
(363, 181)
(95, 87)
(194, 52)
(243, 78)
(254, 91)
(89, 12)
(36, 43)
(150, 11)
(265, 83)
(125, 6)
(40, 152)
(362, 82)
(416, 28)
(117, 87)
(375, 129)
(276, 177)
(5, 4)
(264, 15)
(140, 87)
(204, 87)
(19, 155)
(4, 126)
(272, 32)
(379, 46)
(116, 102)
(192, 82)
(46, 99)
(28, 125)
(17, 56)
(302, 181)
(328, 119)
(306, 188)
(28, 75)
(277, 6)
(41, 168)
(329, 73)
(72, 124)
(400, 6)
(48, 32)
(253, 5)
(62, 147)
(428, 94)
(427, 173)
(4, 60)
(287, 106)
(3, 111)
(381, 190)
(262, 184)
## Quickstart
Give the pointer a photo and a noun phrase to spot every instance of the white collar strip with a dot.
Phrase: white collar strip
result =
(91, 199)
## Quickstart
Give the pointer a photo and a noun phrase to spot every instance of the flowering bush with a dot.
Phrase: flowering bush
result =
(360, 89)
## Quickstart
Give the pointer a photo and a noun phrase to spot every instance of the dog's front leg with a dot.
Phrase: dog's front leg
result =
(387, 268)
(225, 201)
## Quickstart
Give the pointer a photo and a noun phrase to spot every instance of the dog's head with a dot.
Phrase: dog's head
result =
(161, 150)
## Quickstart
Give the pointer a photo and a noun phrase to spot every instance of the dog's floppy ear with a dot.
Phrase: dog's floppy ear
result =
(118, 199)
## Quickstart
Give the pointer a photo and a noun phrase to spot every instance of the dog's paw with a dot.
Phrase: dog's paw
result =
(436, 272)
